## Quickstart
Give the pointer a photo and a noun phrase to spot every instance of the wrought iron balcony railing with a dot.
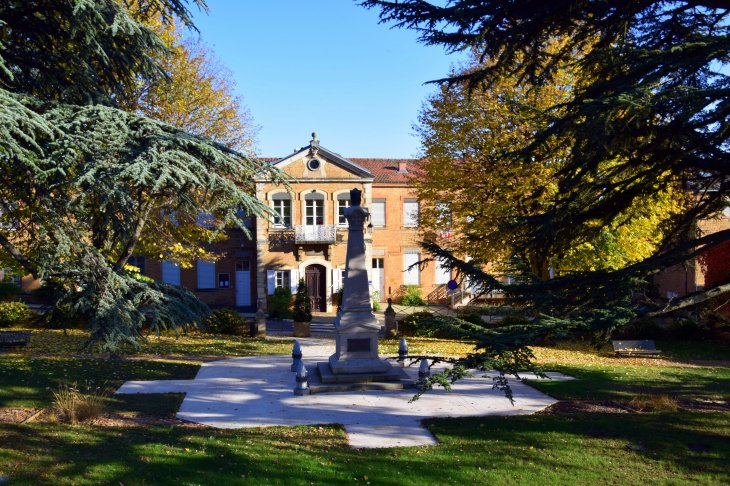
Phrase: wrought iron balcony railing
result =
(325, 233)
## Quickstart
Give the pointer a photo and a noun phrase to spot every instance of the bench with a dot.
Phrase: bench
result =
(635, 348)
(14, 338)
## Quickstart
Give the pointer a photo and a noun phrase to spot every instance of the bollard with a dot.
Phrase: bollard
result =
(423, 371)
(391, 327)
(402, 352)
(296, 355)
(302, 387)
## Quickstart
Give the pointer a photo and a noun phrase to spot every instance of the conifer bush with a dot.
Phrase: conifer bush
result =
(302, 311)
(225, 321)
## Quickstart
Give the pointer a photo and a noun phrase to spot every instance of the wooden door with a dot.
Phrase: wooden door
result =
(316, 283)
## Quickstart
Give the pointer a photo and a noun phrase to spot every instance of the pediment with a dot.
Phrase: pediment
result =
(332, 165)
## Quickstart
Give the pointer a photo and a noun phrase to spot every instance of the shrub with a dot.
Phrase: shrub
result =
(376, 301)
(280, 303)
(411, 325)
(413, 297)
(71, 405)
(8, 290)
(302, 311)
(12, 312)
(473, 318)
(225, 321)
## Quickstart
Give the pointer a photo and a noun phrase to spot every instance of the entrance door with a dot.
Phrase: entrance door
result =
(243, 283)
(379, 277)
(316, 282)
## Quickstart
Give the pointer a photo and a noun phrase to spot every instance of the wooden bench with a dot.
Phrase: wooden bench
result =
(635, 348)
(14, 338)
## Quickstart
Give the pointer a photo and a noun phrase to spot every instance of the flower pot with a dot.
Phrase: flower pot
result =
(302, 329)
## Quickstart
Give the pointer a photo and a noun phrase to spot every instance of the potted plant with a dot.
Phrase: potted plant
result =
(302, 312)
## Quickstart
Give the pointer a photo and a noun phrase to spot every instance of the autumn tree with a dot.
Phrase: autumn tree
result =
(651, 112)
(196, 94)
(83, 178)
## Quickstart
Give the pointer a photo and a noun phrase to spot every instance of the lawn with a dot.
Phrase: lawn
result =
(30, 375)
(538, 449)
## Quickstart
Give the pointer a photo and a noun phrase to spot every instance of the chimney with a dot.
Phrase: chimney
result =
(402, 166)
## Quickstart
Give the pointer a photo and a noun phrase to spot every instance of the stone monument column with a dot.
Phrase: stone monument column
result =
(356, 327)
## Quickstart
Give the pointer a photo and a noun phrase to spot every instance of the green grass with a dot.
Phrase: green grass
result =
(609, 382)
(688, 350)
(539, 450)
(30, 382)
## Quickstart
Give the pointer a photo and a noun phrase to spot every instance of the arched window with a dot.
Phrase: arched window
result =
(343, 201)
(314, 209)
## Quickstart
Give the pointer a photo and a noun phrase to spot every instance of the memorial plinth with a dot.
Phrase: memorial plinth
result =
(356, 360)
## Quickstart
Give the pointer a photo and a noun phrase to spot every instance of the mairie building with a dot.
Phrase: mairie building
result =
(308, 239)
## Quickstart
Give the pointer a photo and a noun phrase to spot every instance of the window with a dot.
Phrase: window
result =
(343, 201)
(282, 208)
(410, 212)
(314, 164)
(206, 275)
(282, 279)
(171, 272)
(9, 224)
(412, 276)
(378, 262)
(137, 262)
(224, 280)
(378, 217)
(443, 214)
(243, 266)
(443, 275)
(314, 209)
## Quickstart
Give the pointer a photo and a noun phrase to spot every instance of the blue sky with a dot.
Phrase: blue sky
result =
(325, 66)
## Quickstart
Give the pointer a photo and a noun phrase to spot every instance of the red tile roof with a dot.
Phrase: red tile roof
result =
(385, 170)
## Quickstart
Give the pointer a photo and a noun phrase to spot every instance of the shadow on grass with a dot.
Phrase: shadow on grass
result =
(581, 449)
(623, 382)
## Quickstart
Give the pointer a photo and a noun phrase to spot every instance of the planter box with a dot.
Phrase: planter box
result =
(302, 329)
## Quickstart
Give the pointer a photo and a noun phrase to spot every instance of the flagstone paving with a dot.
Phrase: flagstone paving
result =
(258, 392)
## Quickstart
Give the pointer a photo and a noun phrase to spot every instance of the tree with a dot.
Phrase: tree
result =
(85, 178)
(650, 114)
(302, 311)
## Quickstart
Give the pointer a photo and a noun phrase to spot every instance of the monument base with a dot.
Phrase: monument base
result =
(356, 366)
(324, 381)
(389, 373)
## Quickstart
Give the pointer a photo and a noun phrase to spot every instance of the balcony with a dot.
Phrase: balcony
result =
(323, 233)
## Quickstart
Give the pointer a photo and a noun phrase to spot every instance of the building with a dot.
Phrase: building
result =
(309, 238)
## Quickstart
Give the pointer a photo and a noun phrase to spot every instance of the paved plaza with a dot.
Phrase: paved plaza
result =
(258, 392)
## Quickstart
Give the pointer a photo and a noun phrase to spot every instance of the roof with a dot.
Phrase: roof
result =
(385, 170)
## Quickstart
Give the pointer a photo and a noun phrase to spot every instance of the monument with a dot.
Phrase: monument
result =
(355, 363)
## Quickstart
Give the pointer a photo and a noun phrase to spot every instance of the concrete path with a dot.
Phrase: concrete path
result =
(258, 391)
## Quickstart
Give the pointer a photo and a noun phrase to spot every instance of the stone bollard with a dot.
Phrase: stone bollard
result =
(391, 327)
(258, 326)
(296, 355)
(423, 371)
(402, 352)
(302, 387)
